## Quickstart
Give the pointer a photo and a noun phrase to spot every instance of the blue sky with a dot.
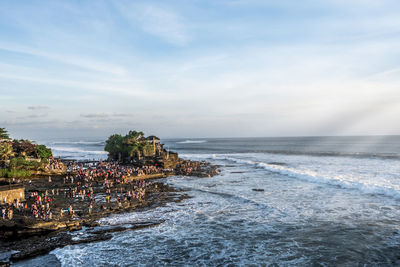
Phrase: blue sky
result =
(196, 68)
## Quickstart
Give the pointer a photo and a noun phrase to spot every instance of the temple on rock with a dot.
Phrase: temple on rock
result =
(136, 149)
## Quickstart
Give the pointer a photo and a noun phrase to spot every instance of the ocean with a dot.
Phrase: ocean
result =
(305, 201)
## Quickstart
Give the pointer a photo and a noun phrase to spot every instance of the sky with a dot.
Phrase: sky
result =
(200, 68)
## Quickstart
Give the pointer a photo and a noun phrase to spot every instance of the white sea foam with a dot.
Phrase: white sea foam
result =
(81, 142)
(76, 150)
(372, 176)
(365, 185)
(192, 142)
(77, 143)
(70, 255)
(160, 213)
(198, 156)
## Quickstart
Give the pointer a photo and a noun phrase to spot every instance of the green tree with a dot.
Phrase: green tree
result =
(44, 152)
(114, 146)
(133, 137)
(4, 134)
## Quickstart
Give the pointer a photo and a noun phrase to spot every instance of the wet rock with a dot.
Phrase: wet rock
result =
(258, 189)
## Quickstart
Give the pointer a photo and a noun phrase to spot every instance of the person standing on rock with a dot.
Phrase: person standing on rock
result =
(10, 213)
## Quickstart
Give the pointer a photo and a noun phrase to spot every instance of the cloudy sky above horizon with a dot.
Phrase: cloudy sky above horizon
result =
(194, 68)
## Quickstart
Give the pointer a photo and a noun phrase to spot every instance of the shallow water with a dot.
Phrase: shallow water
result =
(321, 204)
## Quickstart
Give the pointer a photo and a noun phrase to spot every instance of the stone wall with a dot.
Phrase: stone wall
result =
(9, 194)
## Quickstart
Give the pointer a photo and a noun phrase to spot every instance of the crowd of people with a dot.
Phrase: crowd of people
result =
(7, 209)
(54, 164)
(106, 183)
(40, 208)
(90, 187)
(113, 169)
(87, 187)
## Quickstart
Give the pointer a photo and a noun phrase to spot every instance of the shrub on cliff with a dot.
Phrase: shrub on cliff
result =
(44, 152)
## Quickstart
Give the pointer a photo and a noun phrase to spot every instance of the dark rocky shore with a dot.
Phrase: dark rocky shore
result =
(29, 242)
(25, 236)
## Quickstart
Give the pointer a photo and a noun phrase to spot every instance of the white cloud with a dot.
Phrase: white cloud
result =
(77, 61)
(33, 116)
(310, 65)
(158, 21)
(126, 88)
(94, 115)
(38, 107)
(105, 115)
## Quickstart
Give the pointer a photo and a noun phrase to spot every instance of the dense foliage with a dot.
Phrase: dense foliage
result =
(44, 152)
(132, 145)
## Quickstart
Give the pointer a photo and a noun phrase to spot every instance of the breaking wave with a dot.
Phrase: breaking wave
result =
(365, 186)
(78, 143)
(315, 170)
(76, 150)
(192, 142)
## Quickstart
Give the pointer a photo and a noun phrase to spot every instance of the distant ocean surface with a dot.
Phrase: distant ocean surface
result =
(80, 149)
(329, 201)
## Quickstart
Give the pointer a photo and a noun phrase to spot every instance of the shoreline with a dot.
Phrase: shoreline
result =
(30, 237)
(38, 243)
